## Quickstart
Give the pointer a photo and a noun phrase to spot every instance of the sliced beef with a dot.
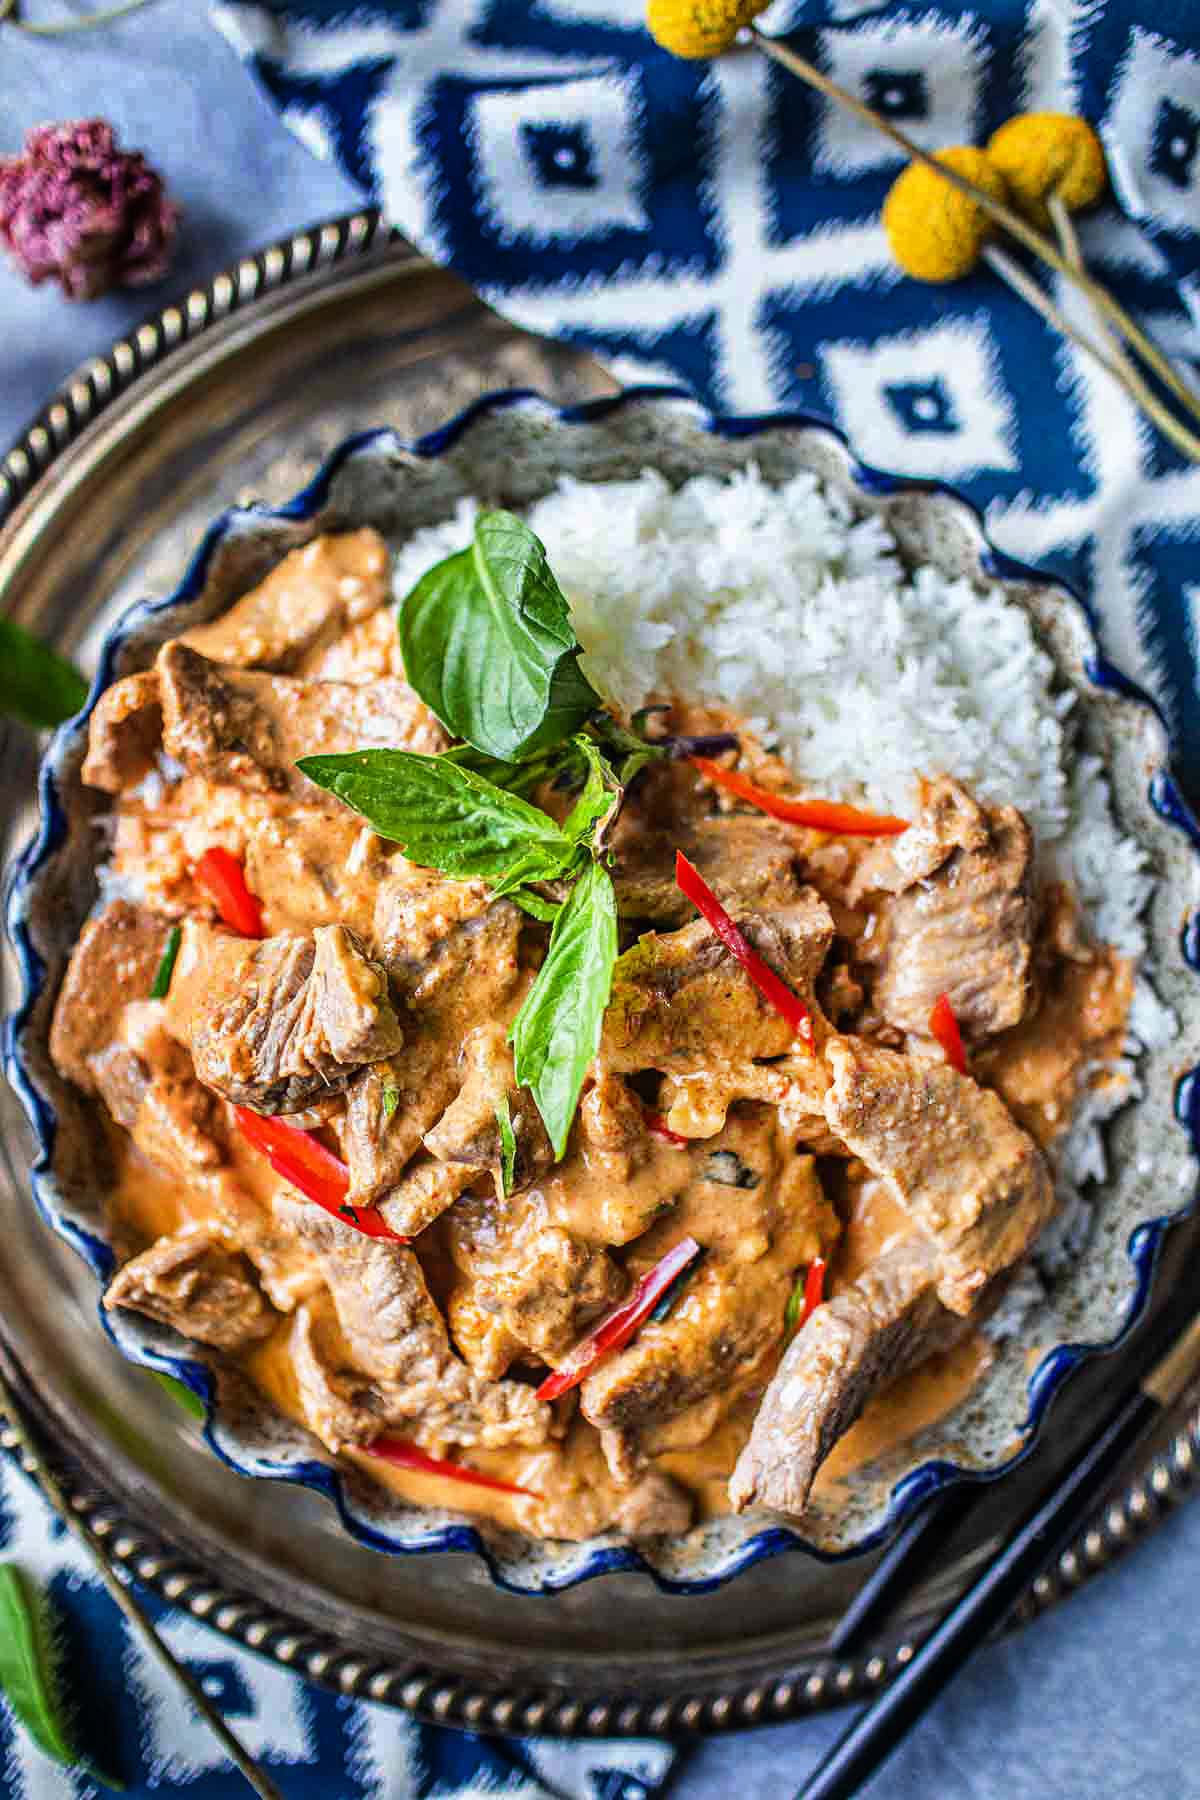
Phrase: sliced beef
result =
(274, 1024)
(149, 1086)
(543, 1284)
(745, 860)
(757, 1210)
(396, 1339)
(124, 734)
(958, 916)
(196, 1283)
(249, 730)
(306, 600)
(858, 1342)
(115, 961)
(468, 1132)
(969, 1178)
(682, 1002)
(575, 1496)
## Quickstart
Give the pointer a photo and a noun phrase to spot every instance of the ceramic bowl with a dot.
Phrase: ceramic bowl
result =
(510, 449)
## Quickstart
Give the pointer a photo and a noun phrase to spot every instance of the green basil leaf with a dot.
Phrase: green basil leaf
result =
(793, 1309)
(508, 1145)
(37, 685)
(29, 1676)
(391, 1100)
(627, 750)
(537, 908)
(161, 985)
(557, 1031)
(445, 816)
(594, 812)
(488, 644)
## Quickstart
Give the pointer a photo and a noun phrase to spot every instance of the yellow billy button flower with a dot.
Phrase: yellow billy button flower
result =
(936, 232)
(1040, 154)
(696, 28)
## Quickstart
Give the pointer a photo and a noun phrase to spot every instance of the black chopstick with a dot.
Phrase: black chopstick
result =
(902, 1564)
(880, 1728)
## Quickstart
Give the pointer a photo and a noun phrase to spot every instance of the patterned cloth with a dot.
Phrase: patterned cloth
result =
(134, 1724)
(718, 224)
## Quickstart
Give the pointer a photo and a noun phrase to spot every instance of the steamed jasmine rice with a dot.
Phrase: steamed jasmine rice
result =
(864, 674)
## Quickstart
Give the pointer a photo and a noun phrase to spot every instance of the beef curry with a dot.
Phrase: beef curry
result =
(288, 1009)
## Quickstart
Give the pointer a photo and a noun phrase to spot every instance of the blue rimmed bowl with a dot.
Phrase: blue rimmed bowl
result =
(511, 448)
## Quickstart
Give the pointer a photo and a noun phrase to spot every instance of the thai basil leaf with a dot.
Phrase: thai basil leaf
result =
(794, 1308)
(595, 811)
(537, 908)
(557, 1031)
(37, 685)
(445, 816)
(508, 1145)
(488, 644)
(28, 1673)
(626, 750)
(161, 985)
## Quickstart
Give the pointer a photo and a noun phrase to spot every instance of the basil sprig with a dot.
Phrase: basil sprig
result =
(37, 685)
(488, 644)
(29, 1676)
(445, 816)
(557, 1031)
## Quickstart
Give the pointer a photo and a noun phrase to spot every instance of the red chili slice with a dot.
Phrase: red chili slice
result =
(944, 1027)
(407, 1456)
(690, 882)
(614, 1332)
(321, 1176)
(222, 877)
(822, 815)
(657, 1125)
(805, 1300)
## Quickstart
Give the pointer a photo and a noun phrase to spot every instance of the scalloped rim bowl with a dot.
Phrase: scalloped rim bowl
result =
(512, 447)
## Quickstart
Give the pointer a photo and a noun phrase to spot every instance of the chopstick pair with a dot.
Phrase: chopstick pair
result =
(880, 1728)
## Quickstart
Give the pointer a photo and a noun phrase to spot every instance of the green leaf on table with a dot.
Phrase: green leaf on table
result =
(29, 1676)
(557, 1031)
(37, 685)
(181, 1394)
(446, 817)
(488, 643)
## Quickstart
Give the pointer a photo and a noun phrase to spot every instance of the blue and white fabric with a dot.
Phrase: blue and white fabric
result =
(717, 223)
(134, 1724)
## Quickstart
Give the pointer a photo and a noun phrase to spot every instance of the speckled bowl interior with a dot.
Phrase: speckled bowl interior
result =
(510, 449)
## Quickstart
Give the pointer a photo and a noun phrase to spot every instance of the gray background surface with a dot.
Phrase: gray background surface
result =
(1097, 1701)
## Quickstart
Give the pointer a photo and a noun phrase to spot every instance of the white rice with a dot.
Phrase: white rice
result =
(779, 603)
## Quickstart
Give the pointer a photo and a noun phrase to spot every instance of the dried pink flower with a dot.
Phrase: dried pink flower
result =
(77, 210)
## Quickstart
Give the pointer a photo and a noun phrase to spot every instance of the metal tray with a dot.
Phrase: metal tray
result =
(237, 392)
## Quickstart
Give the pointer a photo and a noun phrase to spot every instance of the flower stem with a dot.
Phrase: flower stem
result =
(1105, 354)
(52, 1489)
(1003, 214)
(67, 27)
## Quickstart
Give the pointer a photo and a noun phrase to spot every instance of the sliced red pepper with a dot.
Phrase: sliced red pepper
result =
(821, 815)
(690, 882)
(944, 1027)
(222, 877)
(805, 1297)
(404, 1455)
(321, 1176)
(614, 1332)
(657, 1125)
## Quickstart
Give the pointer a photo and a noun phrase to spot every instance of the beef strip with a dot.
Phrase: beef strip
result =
(123, 734)
(885, 1323)
(308, 599)
(956, 917)
(397, 1340)
(542, 1283)
(573, 1496)
(757, 1210)
(969, 1178)
(745, 860)
(115, 960)
(248, 729)
(196, 1283)
(275, 1023)
(682, 1002)
(468, 1132)
(448, 980)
